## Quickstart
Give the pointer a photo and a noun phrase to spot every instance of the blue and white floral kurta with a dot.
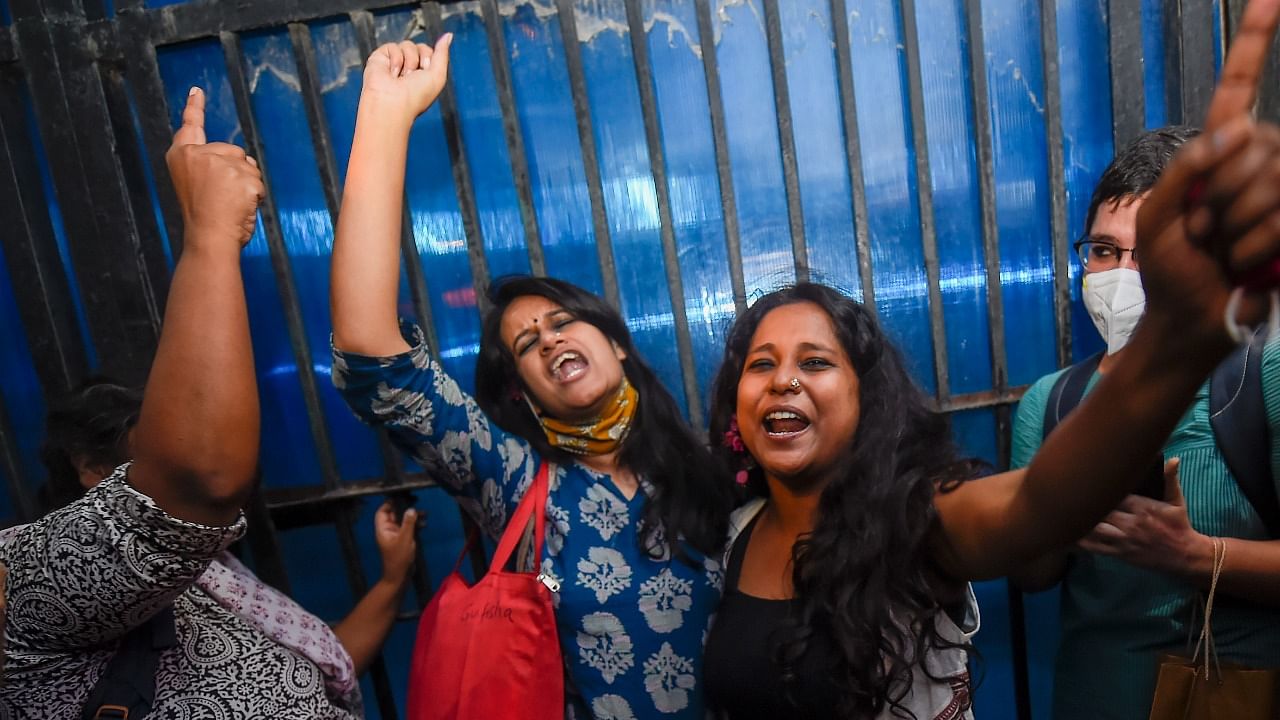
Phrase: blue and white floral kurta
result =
(631, 626)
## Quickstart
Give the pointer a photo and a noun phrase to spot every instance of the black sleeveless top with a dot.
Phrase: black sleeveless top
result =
(740, 676)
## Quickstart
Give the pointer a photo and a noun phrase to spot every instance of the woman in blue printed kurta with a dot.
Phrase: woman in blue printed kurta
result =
(637, 506)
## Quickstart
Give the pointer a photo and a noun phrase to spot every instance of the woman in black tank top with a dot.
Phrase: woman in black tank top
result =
(868, 523)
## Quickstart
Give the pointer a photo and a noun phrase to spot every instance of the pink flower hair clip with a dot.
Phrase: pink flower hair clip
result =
(733, 440)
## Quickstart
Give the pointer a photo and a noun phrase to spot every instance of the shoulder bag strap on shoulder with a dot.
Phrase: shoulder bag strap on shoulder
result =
(1239, 419)
(127, 688)
(1068, 391)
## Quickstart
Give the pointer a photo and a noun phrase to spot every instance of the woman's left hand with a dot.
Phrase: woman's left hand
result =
(396, 541)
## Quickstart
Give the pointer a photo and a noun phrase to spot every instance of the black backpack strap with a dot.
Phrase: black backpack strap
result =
(127, 688)
(1239, 419)
(1068, 391)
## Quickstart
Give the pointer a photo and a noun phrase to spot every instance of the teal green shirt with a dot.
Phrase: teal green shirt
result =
(1117, 618)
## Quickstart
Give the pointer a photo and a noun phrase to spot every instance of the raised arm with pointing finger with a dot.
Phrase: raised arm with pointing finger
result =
(151, 538)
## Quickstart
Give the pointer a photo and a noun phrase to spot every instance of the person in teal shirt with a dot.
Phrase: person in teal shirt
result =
(1131, 589)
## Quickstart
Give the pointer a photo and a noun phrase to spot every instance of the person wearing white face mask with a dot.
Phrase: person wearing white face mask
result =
(1130, 588)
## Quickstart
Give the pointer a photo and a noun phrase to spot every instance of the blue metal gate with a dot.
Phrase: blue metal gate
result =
(931, 157)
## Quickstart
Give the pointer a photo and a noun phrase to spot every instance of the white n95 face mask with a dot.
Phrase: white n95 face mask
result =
(1115, 301)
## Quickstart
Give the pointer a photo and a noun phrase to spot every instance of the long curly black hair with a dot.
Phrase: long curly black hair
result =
(691, 498)
(864, 577)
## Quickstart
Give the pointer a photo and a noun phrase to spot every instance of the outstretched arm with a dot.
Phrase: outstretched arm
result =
(196, 442)
(1191, 253)
(400, 82)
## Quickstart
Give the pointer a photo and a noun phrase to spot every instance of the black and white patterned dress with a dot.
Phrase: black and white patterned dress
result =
(81, 577)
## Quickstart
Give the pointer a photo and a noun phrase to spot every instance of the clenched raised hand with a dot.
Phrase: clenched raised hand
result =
(405, 78)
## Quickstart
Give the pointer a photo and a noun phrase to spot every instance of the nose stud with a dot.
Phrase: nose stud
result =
(795, 383)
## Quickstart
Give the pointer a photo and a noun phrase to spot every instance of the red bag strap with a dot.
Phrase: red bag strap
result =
(534, 502)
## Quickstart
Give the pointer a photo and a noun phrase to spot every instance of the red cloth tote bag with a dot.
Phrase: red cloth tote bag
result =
(490, 650)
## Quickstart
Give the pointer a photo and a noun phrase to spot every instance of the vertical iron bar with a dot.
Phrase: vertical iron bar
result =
(462, 184)
(362, 21)
(515, 138)
(304, 55)
(131, 163)
(270, 221)
(41, 286)
(1128, 107)
(11, 468)
(1018, 642)
(981, 109)
(1172, 28)
(322, 145)
(1196, 56)
(292, 309)
(720, 138)
(658, 165)
(1057, 177)
(119, 295)
(924, 188)
(853, 152)
(143, 72)
(590, 159)
(786, 137)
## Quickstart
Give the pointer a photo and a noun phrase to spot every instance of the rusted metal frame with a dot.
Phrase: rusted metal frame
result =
(393, 484)
(786, 137)
(983, 141)
(121, 291)
(36, 274)
(1057, 178)
(514, 135)
(1002, 411)
(720, 140)
(1128, 103)
(982, 399)
(590, 158)
(1194, 45)
(924, 200)
(131, 159)
(200, 19)
(463, 186)
(143, 72)
(270, 220)
(658, 166)
(344, 515)
(853, 152)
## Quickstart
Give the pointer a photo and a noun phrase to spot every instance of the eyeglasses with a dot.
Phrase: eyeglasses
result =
(1102, 255)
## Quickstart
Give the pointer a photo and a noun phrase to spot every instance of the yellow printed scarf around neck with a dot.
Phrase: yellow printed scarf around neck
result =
(600, 436)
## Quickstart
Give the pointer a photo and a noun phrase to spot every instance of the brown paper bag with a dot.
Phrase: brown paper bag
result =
(1201, 687)
(1227, 692)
